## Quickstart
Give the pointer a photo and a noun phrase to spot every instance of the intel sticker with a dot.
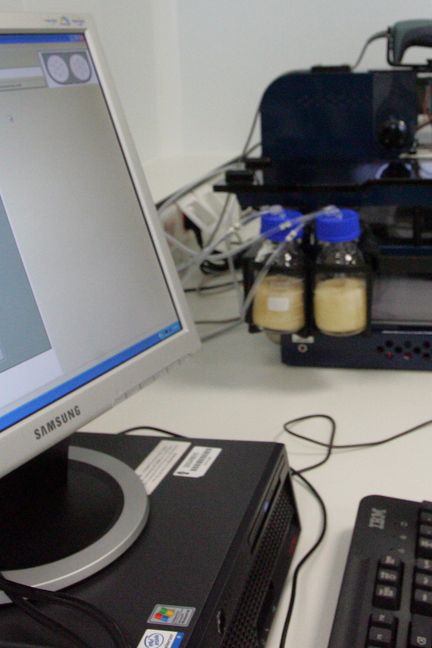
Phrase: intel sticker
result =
(161, 639)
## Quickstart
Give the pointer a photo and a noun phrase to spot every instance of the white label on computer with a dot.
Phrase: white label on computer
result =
(197, 462)
(161, 639)
(159, 462)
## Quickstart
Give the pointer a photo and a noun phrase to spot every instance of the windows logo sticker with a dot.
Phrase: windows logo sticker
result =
(171, 615)
(165, 615)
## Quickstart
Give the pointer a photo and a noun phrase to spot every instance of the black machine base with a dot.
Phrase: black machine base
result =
(383, 348)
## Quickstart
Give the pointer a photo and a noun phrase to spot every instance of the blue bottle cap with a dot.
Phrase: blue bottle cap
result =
(338, 227)
(272, 219)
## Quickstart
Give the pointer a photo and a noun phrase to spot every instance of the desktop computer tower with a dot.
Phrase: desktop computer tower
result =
(211, 563)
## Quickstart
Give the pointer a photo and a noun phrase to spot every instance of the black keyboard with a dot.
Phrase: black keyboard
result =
(385, 599)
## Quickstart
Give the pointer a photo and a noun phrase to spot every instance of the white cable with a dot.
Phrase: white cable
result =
(251, 294)
(224, 329)
(204, 178)
(264, 270)
(190, 187)
(207, 254)
(296, 224)
(181, 246)
(192, 252)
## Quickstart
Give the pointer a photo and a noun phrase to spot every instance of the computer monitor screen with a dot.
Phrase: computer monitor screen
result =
(90, 305)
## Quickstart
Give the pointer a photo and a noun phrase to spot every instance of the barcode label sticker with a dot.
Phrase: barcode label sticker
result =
(197, 462)
(159, 462)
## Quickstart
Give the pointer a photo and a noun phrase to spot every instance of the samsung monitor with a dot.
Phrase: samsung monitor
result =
(90, 304)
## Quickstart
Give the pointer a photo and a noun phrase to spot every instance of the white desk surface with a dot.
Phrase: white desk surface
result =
(236, 387)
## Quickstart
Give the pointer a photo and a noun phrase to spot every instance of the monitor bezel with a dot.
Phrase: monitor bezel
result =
(19, 443)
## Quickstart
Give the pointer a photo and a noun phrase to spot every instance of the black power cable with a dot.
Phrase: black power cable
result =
(349, 446)
(371, 39)
(307, 555)
(299, 474)
(5, 643)
(153, 428)
(25, 596)
(43, 619)
(330, 447)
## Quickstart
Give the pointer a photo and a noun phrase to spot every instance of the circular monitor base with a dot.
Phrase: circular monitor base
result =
(104, 510)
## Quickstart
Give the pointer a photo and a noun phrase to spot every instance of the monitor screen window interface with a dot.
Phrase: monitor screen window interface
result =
(90, 304)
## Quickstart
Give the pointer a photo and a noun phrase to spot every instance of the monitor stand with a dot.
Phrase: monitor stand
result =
(67, 514)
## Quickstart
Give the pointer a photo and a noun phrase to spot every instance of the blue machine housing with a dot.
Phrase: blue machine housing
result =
(328, 131)
(338, 136)
(332, 136)
(314, 117)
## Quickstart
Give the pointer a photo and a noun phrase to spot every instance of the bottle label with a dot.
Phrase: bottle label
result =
(278, 304)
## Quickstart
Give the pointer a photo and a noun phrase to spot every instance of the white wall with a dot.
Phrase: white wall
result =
(190, 73)
(127, 35)
(230, 50)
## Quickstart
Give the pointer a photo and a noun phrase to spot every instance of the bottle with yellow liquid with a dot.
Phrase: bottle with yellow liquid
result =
(278, 303)
(340, 297)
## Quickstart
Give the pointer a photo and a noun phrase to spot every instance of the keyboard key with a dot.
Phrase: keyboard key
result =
(422, 602)
(384, 619)
(423, 581)
(391, 561)
(424, 547)
(387, 597)
(390, 576)
(424, 565)
(425, 517)
(380, 637)
(425, 530)
(420, 633)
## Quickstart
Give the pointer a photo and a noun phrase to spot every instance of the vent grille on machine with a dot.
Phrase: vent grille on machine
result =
(406, 349)
(244, 630)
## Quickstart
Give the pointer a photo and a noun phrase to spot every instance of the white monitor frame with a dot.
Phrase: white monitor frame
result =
(19, 443)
